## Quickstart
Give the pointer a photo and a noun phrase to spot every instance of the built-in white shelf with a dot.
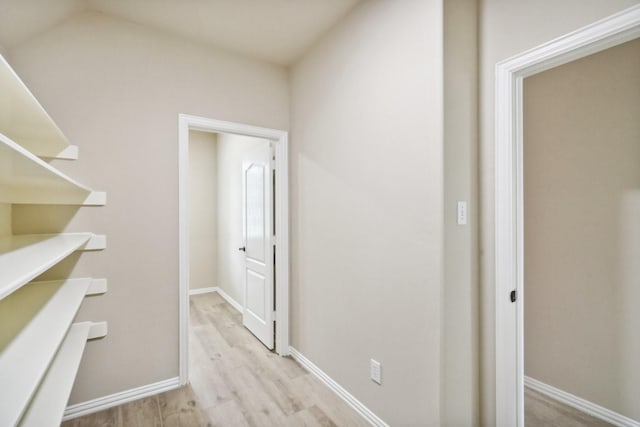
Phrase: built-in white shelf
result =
(24, 257)
(34, 321)
(48, 405)
(40, 348)
(24, 178)
(23, 119)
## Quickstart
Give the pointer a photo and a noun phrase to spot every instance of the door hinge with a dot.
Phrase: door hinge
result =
(273, 240)
(274, 315)
(513, 296)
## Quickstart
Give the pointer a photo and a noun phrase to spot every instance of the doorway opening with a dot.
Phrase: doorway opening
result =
(509, 194)
(581, 222)
(254, 221)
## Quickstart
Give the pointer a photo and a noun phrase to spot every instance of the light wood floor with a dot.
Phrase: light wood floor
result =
(542, 411)
(235, 381)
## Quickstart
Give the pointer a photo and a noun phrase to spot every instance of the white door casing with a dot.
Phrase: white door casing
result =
(280, 139)
(509, 215)
(257, 222)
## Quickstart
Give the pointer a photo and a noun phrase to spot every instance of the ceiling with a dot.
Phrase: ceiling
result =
(273, 30)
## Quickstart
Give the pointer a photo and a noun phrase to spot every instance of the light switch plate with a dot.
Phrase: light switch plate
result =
(462, 213)
(376, 371)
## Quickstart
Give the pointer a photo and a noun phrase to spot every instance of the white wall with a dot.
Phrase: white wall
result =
(506, 29)
(116, 89)
(581, 152)
(203, 210)
(232, 150)
(366, 206)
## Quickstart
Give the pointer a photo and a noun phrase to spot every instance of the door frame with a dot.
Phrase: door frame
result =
(186, 123)
(509, 201)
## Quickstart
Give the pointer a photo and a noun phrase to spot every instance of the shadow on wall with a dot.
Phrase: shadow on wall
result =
(629, 296)
(47, 219)
(42, 218)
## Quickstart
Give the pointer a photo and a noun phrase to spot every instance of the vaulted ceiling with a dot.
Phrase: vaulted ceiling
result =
(273, 30)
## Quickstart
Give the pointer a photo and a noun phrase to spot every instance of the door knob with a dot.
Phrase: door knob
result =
(243, 249)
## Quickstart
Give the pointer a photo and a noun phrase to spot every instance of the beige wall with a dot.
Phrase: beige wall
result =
(366, 206)
(232, 150)
(115, 89)
(203, 210)
(460, 361)
(582, 146)
(5, 219)
(508, 27)
(366, 193)
(629, 295)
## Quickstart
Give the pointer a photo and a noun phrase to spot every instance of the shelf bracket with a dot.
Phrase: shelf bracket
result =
(97, 287)
(97, 330)
(69, 153)
(96, 198)
(96, 242)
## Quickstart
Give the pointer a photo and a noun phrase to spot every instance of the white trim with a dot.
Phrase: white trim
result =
(282, 244)
(235, 304)
(183, 248)
(340, 391)
(199, 291)
(101, 403)
(580, 404)
(280, 138)
(509, 261)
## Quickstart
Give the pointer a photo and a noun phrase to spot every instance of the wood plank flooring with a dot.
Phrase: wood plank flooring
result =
(235, 381)
(542, 411)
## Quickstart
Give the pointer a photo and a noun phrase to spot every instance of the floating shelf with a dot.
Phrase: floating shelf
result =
(48, 405)
(34, 322)
(26, 179)
(24, 257)
(23, 119)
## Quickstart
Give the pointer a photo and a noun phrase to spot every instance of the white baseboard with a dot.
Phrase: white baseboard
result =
(101, 403)
(580, 404)
(199, 291)
(354, 403)
(235, 304)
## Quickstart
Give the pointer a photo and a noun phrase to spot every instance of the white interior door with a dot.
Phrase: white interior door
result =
(257, 270)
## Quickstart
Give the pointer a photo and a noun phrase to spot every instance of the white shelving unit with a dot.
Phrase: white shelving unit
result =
(23, 119)
(24, 178)
(40, 346)
(47, 408)
(24, 257)
(35, 319)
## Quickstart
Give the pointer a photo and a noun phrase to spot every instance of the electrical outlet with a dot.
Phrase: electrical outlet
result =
(376, 371)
